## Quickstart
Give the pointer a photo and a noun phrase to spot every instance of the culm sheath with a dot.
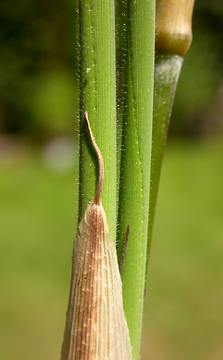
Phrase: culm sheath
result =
(96, 327)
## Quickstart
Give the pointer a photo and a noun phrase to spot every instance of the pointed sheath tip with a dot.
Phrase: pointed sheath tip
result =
(100, 161)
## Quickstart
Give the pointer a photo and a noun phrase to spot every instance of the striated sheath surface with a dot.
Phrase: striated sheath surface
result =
(96, 328)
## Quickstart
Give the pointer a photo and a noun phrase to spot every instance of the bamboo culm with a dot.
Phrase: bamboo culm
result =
(96, 327)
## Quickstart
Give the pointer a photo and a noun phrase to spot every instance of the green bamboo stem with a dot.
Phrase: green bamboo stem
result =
(167, 71)
(96, 57)
(173, 39)
(135, 163)
(97, 44)
(77, 113)
(121, 14)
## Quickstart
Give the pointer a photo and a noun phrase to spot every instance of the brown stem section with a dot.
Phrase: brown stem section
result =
(100, 161)
(174, 26)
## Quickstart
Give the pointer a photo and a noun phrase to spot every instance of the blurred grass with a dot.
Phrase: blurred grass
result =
(36, 238)
(184, 314)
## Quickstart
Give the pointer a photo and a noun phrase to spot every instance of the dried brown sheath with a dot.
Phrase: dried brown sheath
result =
(96, 328)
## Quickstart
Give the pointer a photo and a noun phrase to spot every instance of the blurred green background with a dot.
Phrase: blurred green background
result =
(184, 312)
